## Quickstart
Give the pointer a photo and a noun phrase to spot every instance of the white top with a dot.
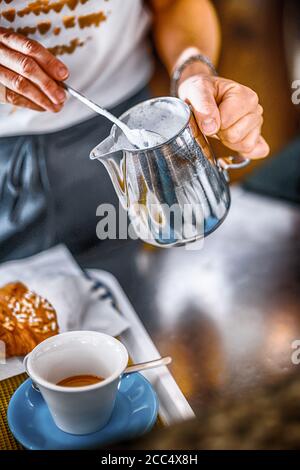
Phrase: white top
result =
(101, 41)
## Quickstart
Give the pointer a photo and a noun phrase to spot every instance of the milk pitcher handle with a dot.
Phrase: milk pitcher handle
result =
(233, 163)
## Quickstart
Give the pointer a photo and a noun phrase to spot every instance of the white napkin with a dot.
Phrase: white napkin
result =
(55, 275)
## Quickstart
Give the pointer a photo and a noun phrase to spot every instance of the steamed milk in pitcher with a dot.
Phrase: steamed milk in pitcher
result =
(166, 126)
(174, 192)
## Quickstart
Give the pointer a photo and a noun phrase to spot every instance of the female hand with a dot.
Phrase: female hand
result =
(29, 74)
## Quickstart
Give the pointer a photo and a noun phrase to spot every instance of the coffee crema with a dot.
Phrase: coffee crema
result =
(80, 381)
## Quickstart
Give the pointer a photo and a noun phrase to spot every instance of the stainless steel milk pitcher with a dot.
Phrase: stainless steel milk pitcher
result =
(177, 192)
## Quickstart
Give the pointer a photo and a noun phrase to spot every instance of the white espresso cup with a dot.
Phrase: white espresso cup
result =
(78, 410)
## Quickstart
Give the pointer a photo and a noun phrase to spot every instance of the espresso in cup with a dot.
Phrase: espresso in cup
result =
(80, 380)
(78, 374)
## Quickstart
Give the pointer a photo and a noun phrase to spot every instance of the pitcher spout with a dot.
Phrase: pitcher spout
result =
(114, 161)
(104, 149)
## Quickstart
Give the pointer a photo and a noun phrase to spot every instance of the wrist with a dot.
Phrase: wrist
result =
(191, 62)
(196, 68)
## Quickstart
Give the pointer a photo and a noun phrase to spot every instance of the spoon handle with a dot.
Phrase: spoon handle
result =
(95, 107)
(162, 361)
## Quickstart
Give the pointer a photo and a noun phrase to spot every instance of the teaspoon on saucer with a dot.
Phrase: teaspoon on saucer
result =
(162, 361)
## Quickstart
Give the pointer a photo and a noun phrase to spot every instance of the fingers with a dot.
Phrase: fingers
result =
(15, 99)
(241, 119)
(246, 144)
(22, 86)
(30, 71)
(253, 145)
(2, 94)
(244, 136)
(238, 131)
(260, 150)
(28, 47)
(11, 97)
(235, 101)
(199, 92)
(29, 68)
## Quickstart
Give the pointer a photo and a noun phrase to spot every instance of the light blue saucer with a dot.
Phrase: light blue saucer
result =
(134, 414)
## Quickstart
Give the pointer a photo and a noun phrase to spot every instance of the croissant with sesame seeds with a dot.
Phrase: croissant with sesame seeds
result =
(26, 319)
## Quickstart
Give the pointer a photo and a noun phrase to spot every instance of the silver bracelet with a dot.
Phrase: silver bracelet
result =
(179, 70)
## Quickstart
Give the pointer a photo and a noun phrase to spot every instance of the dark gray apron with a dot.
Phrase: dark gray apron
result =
(50, 190)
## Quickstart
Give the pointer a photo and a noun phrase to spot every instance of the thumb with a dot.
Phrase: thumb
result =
(200, 93)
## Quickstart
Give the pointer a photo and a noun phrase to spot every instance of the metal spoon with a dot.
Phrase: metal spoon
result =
(162, 361)
(138, 137)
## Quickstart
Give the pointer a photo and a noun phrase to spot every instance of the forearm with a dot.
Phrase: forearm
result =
(184, 27)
